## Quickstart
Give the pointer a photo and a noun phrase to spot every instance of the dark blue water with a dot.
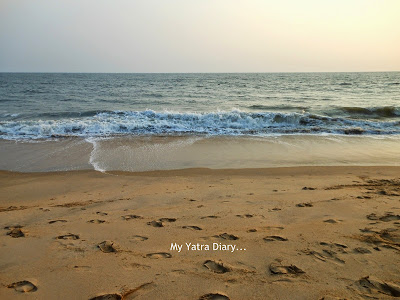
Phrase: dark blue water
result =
(34, 106)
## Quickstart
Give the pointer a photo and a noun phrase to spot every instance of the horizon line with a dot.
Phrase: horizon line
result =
(271, 72)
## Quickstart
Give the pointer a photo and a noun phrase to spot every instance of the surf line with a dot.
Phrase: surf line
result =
(205, 247)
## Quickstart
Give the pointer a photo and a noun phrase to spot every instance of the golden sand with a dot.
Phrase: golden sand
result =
(284, 233)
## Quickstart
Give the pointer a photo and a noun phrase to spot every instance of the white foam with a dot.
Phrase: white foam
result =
(230, 123)
(93, 155)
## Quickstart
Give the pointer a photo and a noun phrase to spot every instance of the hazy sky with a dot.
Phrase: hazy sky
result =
(199, 35)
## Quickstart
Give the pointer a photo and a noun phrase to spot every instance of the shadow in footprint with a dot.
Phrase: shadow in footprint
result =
(331, 221)
(278, 269)
(212, 296)
(155, 224)
(387, 217)
(227, 236)
(272, 238)
(307, 188)
(16, 232)
(139, 238)
(131, 217)
(68, 236)
(305, 204)
(361, 250)
(245, 216)
(210, 217)
(374, 286)
(96, 221)
(158, 255)
(215, 267)
(192, 227)
(57, 221)
(169, 220)
(23, 286)
(107, 297)
(107, 247)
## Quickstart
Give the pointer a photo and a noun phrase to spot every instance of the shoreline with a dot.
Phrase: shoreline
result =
(200, 171)
(173, 153)
(243, 233)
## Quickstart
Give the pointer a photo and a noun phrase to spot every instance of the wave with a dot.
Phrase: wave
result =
(149, 122)
(384, 111)
(278, 107)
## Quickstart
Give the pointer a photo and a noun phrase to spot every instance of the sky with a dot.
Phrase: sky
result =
(199, 35)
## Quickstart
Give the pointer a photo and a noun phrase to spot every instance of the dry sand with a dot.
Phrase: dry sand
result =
(309, 233)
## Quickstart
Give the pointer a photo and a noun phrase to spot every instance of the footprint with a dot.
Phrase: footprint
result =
(169, 220)
(333, 255)
(276, 209)
(96, 221)
(334, 245)
(278, 269)
(215, 267)
(315, 254)
(192, 227)
(107, 247)
(139, 238)
(23, 286)
(101, 213)
(55, 221)
(275, 227)
(158, 255)
(307, 188)
(272, 238)
(130, 217)
(245, 216)
(107, 297)
(305, 204)
(212, 296)
(68, 236)
(389, 216)
(388, 238)
(361, 250)
(374, 286)
(210, 217)
(155, 224)
(331, 221)
(16, 232)
(227, 236)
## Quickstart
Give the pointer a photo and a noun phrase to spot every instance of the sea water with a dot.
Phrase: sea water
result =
(139, 122)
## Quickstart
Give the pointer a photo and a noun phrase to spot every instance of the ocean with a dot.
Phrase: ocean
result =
(157, 121)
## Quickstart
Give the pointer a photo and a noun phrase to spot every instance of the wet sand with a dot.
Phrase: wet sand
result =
(148, 153)
(297, 233)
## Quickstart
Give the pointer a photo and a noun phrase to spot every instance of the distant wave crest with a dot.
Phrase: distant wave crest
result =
(385, 111)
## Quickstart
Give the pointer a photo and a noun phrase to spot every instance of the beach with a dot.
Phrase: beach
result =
(199, 150)
(262, 233)
(199, 186)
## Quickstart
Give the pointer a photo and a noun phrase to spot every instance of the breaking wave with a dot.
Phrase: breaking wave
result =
(148, 122)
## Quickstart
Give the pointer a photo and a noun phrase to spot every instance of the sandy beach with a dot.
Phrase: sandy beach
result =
(280, 233)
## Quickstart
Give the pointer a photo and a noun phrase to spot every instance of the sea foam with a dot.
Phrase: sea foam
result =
(231, 123)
